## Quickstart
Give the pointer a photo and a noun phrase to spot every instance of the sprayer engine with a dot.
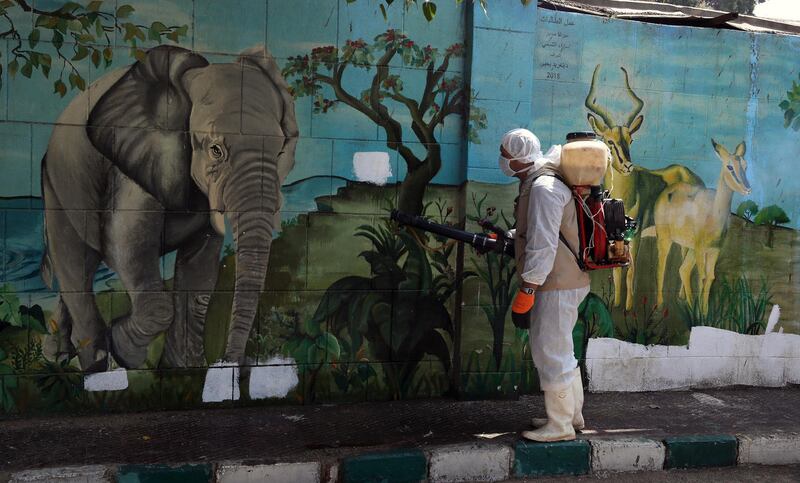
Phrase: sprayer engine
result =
(604, 229)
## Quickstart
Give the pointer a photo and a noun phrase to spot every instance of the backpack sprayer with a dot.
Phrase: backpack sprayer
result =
(604, 231)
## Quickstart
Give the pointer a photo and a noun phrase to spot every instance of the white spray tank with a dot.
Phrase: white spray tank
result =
(584, 159)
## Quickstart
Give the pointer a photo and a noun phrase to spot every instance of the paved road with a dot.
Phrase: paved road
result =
(743, 474)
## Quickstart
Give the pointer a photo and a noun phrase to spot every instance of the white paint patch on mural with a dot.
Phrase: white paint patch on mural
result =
(275, 379)
(116, 380)
(222, 382)
(713, 358)
(372, 167)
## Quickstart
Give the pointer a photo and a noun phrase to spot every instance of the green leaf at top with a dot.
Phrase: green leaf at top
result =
(383, 12)
(125, 11)
(33, 38)
(13, 67)
(429, 10)
(70, 7)
(58, 39)
(46, 22)
(94, 5)
(80, 82)
(27, 69)
(80, 53)
(157, 27)
(60, 88)
(108, 55)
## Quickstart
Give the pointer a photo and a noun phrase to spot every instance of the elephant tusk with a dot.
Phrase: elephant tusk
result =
(218, 222)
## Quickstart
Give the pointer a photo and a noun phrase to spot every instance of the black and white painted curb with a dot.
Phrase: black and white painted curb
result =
(466, 462)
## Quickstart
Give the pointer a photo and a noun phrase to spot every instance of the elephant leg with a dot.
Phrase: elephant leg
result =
(196, 270)
(134, 252)
(74, 265)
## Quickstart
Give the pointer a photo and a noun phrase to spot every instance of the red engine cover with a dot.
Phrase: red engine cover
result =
(598, 229)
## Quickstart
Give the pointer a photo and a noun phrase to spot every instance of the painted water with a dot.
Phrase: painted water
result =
(22, 221)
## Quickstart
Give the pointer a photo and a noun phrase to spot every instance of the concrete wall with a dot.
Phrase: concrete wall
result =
(147, 151)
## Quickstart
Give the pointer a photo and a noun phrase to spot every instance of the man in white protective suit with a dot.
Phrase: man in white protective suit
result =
(552, 285)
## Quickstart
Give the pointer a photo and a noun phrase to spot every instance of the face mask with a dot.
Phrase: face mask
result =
(505, 166)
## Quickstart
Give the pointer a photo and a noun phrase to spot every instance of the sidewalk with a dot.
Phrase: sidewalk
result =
(753, 423)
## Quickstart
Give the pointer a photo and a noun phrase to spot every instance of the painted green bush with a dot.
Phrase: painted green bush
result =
(791, 107)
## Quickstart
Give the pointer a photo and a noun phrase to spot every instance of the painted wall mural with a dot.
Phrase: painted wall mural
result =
(195, 200)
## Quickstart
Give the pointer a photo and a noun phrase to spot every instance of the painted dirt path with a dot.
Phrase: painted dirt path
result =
(308, 433)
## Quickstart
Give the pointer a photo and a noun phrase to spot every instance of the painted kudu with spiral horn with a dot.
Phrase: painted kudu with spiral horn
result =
(696, 219)
(637, 187)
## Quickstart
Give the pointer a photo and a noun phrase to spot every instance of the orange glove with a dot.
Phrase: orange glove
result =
(521, 308)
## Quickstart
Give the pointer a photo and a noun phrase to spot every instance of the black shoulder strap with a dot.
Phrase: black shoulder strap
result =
(574, 254)
(550, 171)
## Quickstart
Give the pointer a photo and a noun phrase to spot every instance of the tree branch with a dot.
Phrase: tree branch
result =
(24, 6)
(423, 131)
(449, 106)
(346, 97)
(431, 80)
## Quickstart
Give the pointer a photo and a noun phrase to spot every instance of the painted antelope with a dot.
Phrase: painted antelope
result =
(637, 187)
(696, 219)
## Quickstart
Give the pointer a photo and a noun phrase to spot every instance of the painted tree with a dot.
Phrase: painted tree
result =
(771, 216)
(791, 107)
(747, 209)
(443, 95)
(72, 34)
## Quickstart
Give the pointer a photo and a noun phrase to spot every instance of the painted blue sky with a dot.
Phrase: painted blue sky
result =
(696, 84)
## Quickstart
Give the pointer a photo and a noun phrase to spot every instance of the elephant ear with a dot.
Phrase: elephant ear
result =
(141, 124)
(261, 58)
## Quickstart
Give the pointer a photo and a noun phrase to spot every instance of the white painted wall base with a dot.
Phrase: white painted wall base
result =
(713, 358)
(273, 380)
(222, 382)
(116, 380)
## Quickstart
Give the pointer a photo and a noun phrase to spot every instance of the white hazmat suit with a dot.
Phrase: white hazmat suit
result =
(555, 311)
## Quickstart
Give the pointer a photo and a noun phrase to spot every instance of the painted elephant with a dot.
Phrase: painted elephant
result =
(151, 159)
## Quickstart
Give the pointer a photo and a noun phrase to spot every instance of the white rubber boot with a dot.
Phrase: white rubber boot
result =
(560, 407)
(577, 391)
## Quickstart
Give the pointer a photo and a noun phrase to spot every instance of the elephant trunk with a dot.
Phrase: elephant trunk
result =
(250, 202)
